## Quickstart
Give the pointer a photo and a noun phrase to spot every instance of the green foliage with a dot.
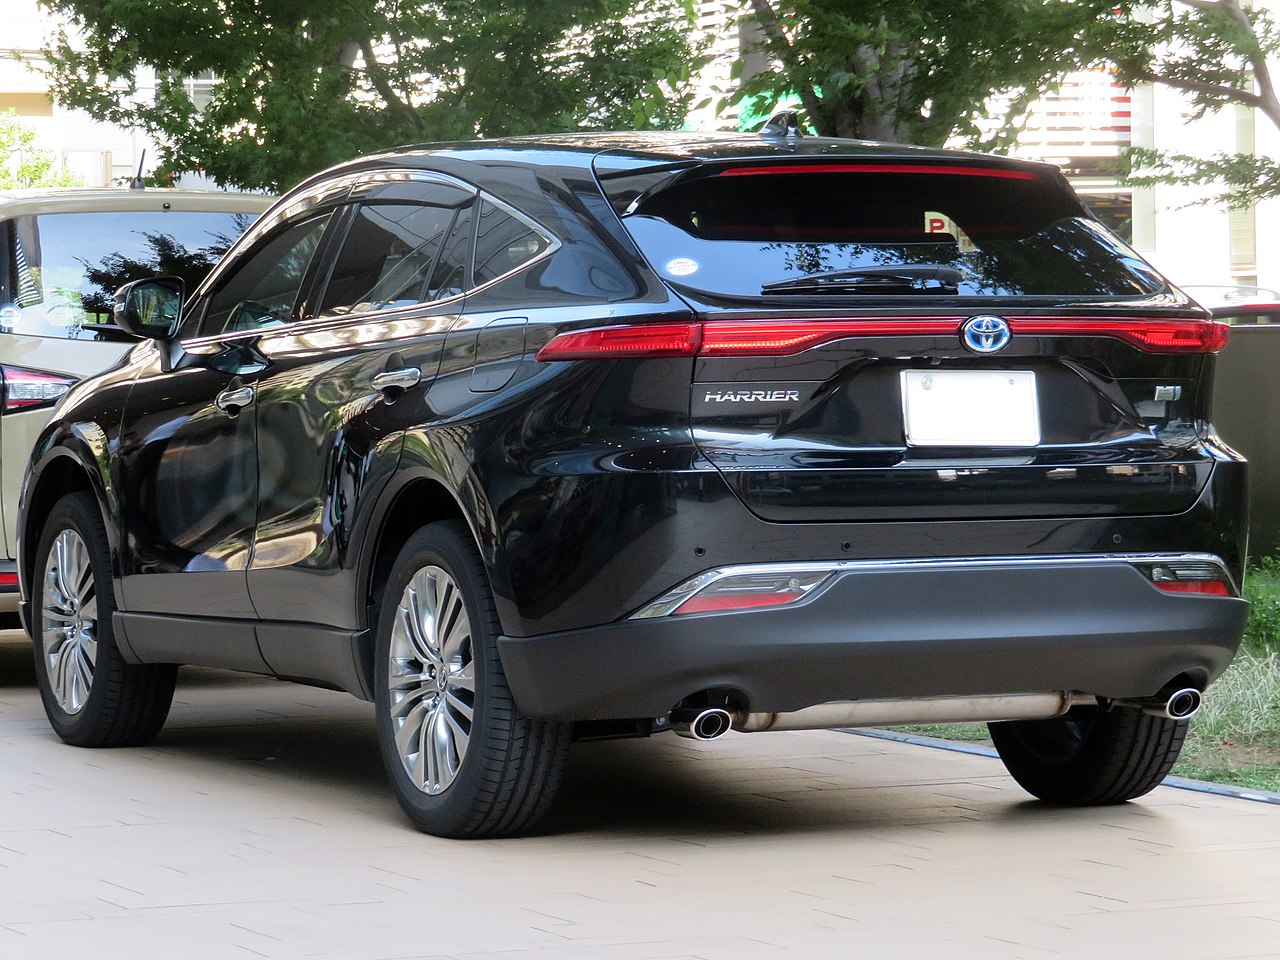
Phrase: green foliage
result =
(926, 71)
(1217, 53)
(22, 166)
(1262, 590)
(303, 85)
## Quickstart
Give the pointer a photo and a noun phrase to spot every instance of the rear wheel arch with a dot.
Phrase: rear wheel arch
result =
(407, 506)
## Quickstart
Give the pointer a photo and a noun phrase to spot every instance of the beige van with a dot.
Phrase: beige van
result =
(63, 253)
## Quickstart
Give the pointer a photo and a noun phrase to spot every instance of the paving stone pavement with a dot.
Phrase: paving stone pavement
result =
(259, 824)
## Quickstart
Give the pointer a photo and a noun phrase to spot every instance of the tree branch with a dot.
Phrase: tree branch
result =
(767, 17)
(1232, 94)
(380, 83)
(1267, 100)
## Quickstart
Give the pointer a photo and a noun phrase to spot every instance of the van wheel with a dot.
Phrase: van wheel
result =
(461, 760)
(93, 698)
(1091, 756)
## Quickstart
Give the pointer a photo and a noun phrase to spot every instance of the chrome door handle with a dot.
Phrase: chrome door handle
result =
(231, 401)
(401, 379)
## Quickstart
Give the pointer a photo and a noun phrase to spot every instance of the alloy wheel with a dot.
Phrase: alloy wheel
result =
(431, 679)
(69, 621)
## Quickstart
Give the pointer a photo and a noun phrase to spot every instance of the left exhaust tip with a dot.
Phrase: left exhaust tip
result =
(711, 723)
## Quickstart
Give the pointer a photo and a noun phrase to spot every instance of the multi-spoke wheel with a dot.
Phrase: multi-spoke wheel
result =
(1091, 756)
(69, 620)
(92, 697)
(462, 761)
(431, 678)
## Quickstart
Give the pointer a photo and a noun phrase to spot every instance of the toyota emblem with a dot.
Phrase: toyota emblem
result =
(985, 334)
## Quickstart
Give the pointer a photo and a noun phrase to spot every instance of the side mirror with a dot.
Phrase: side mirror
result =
(150, 309)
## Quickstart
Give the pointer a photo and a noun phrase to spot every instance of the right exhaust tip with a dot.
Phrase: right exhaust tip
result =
(1179, 704)
(1183, 704)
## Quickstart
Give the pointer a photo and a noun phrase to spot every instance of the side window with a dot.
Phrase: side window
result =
(503, 243)
(263, 288)
(449, 278)
(387, 258)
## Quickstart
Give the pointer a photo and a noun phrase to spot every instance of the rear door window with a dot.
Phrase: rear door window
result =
(399, 255)
(746, 231)
(65, 267)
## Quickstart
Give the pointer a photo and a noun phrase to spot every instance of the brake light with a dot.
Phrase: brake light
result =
(31, 389)
(936, 169)
(783, 338)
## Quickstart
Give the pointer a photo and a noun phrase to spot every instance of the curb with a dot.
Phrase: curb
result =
(1179, 783)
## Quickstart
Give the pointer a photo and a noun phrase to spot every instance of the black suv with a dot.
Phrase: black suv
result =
(547, 439)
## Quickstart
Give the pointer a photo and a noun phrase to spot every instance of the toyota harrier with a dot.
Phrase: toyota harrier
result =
(593, 436)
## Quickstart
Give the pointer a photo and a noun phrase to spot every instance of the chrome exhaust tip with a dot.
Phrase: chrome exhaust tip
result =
(1181, 704)
(711, 723)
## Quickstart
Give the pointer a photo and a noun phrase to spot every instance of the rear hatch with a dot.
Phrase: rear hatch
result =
(901, 339)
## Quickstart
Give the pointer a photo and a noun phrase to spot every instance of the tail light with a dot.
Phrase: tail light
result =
(781, 338)
(32, 389)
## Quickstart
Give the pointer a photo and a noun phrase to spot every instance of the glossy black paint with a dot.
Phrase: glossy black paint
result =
(591, 487)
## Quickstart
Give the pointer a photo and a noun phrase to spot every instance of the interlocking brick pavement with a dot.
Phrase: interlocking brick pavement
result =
(259, 824)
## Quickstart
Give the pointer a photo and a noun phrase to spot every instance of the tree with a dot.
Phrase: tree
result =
(1216, 52)
(926, 71)
(22, 166)
(302, 85)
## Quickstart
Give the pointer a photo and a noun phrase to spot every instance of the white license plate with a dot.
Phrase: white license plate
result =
(962, 408)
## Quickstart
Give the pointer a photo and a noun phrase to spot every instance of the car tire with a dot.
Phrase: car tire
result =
(462, 761)
(1092, 756)
(93, 698)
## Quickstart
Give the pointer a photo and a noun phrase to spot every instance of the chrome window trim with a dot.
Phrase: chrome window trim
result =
(309, 324)
(665, 603)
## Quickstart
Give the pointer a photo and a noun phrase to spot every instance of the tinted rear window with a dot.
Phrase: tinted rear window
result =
(65, 267)
(1007, 232)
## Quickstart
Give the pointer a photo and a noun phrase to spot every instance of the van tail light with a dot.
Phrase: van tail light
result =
(31, 389)
(782, 338)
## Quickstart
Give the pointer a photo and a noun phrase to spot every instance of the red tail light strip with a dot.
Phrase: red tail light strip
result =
(931, 169)
(781, 338)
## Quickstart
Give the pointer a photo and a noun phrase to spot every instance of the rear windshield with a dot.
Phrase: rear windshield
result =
(63, 269)
(996, 231)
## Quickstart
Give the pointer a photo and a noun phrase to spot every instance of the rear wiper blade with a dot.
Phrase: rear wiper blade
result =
(870, 278)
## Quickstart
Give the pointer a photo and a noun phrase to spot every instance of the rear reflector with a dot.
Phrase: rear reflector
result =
(1214, 587)
(29, 389)
(723, 591)
(781, 338)
(1194, 575)
(9, 579)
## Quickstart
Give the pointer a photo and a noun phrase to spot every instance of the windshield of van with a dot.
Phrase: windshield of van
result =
(64, 268)
(779, 232)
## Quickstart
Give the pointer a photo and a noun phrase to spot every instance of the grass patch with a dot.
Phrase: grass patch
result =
(1235, 738)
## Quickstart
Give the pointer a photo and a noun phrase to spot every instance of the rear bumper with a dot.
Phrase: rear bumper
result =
(903, 629)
